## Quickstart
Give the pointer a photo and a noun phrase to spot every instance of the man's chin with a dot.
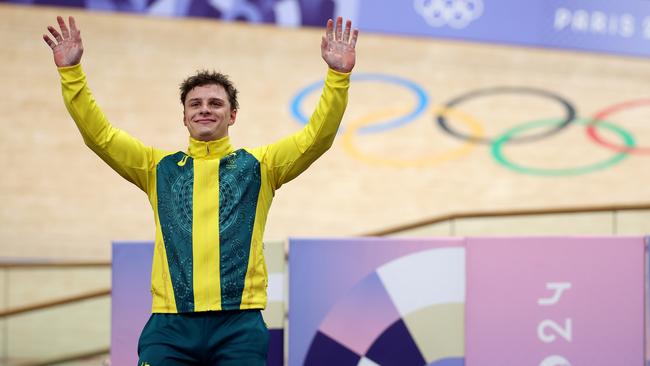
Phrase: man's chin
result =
(206, 136)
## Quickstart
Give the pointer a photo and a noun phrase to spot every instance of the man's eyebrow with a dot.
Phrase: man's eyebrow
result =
(199, 99)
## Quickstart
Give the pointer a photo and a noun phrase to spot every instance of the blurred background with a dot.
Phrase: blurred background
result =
(472, 117)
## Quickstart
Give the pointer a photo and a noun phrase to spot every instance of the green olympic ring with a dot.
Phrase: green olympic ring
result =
(497, 149)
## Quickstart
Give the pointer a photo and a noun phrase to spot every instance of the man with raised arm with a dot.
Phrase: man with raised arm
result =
(210, 203)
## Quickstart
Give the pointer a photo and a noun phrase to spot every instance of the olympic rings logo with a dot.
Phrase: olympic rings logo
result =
(527, 132)
(455, 13)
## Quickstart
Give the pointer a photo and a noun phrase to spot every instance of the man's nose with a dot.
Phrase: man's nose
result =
(204, 108)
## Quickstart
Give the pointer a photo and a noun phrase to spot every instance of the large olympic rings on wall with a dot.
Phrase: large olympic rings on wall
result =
(592, 129)
(433, 159)
(497, 149)
(390, 118)
(422, 101)
(570, 112)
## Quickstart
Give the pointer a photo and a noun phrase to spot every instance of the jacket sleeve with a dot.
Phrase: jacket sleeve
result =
(289, 157)
(125, 154)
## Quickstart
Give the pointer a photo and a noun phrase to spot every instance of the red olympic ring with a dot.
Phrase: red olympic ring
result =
(593, 133)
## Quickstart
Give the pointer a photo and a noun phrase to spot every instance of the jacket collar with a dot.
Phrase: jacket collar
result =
(210, 149)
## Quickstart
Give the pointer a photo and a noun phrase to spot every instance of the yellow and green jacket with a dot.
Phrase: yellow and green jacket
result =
(210, 202)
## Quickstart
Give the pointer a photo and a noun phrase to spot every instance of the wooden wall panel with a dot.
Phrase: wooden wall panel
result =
(59, 200)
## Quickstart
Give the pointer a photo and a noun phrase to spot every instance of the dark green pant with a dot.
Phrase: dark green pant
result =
(215, 338)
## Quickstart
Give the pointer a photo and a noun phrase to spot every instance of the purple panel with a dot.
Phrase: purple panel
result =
(130, 299)
(361, 315)
(621, 26)
(490, 22)
(323, 271)
(545, 301)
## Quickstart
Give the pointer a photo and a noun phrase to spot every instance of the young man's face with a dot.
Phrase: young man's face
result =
(207, 113)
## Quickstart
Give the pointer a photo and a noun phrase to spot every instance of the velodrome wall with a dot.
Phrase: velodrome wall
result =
(427, 131)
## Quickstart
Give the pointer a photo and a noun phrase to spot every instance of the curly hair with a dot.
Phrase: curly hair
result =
(205, 77)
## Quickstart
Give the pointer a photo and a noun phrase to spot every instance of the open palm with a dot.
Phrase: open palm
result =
(67, 49)
(338, 45)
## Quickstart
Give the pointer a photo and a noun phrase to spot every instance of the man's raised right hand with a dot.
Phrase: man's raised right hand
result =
(67, 49)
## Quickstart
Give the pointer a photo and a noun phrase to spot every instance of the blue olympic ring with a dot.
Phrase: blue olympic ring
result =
(420, 94)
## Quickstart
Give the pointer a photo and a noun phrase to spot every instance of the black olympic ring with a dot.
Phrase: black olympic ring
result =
(568, 118)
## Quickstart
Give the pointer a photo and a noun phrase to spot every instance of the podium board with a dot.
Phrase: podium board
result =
(547, 301)
(554, 301)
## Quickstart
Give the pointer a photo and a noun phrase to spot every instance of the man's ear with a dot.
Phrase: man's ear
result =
(233, 117)
(184, 121)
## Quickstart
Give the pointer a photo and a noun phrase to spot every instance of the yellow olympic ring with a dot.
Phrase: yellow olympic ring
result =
(350, 133)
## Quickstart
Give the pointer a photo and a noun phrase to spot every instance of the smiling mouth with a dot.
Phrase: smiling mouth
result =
(204, 121)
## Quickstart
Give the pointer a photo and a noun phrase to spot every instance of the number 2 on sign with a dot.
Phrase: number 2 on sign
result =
(553, 326)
